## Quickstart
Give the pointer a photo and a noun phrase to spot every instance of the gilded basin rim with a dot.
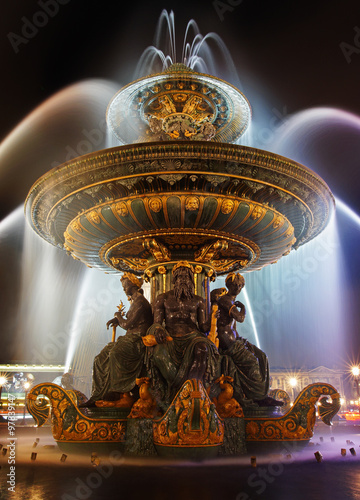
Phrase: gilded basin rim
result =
(47, 203)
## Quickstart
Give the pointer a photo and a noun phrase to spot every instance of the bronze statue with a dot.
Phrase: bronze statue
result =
(190, 355)
(67, 381)
(120, 363)
(244, 362)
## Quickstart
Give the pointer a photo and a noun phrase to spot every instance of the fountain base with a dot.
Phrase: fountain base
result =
(191, 428)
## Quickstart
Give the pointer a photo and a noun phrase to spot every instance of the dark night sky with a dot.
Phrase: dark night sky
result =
(288, 54)
(292, 48)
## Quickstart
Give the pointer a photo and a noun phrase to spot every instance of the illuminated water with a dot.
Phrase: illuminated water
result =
(206, 54)
(281, 476)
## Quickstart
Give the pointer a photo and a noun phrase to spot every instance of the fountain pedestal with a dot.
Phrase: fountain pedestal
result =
(191, 428)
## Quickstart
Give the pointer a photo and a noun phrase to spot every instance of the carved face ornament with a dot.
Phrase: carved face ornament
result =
(192, 203)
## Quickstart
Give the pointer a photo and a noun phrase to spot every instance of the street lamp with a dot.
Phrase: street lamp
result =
(293, 381)
(3, 381)
(355, 371)
(26, 387)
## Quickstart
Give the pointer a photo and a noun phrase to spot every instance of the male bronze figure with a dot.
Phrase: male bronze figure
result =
(182, 315)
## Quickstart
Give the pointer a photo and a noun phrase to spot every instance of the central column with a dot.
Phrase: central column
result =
(160, 277)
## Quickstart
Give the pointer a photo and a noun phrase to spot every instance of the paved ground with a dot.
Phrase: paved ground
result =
(283, 476)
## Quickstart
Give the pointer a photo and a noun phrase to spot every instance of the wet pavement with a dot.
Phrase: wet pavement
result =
(282, 476)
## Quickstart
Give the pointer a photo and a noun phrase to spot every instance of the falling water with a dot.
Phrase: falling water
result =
(97, 301)
(302, 303)
(39, 282)
(205, 54)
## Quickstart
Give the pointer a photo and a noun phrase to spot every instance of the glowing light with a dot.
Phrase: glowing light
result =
(342, 401)
(3, 380)
(355, 370)
(293, 381)
(348, 211)
(249, 310)
(26, 385)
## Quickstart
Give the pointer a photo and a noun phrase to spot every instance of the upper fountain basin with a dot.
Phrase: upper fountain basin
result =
(178, 104)
(227, 206)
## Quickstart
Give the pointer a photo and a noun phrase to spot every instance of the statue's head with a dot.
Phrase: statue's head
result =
(183, 280)
(67, 381)
(235, 281)
(131, 283)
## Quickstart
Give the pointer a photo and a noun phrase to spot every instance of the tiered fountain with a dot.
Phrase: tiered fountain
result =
(179, 189)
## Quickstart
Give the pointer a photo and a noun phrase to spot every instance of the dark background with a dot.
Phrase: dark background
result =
(288, 55)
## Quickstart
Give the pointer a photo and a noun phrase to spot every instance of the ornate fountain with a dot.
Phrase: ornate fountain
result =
(179, 189)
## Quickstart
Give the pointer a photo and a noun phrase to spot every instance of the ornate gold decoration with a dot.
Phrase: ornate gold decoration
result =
(68, 237)
(190, 421)
(145, 406)
(278, 221)
(93, 216)
(298, 423)
(124, 250)
(180, 116)
(198, 269)
(227, 206)
(281, 395)
(155, 204)
(121, 209)
(183, 263)
(178, 104)
(192, 203)
(76, 226)
(67, 248)
(157, 250)
(68, 423)
(171, 178)
(327, 411)
(210, 274)
(211, 251)
(135, 263)
(257, 212)
(65, 196)
(222, 266)
(161, 270)
(226, 405)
